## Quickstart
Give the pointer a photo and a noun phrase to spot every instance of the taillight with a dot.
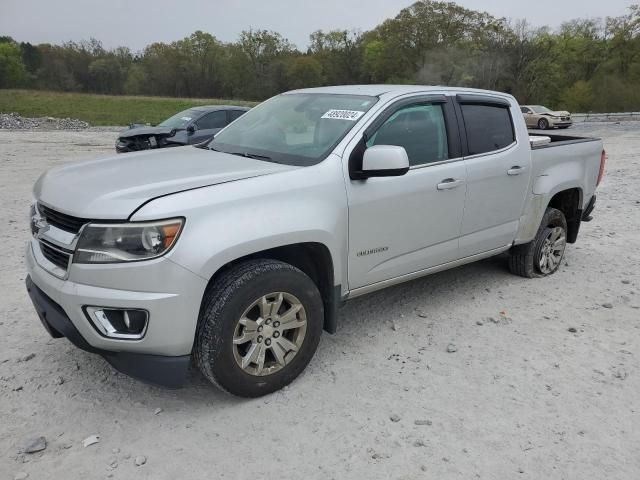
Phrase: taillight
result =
(603, 160)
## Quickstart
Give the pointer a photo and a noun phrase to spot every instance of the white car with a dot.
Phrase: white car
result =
(537, 116)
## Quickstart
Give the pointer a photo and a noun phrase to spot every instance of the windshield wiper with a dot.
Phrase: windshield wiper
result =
(255, 156)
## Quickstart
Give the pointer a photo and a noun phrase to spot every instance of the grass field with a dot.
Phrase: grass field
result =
(100, 109)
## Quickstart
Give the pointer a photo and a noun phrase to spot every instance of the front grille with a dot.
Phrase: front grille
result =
(62, 220)
(56, 256)
(134, 144)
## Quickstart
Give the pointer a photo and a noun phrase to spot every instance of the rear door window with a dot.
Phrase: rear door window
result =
(489, 128)
(235, 114)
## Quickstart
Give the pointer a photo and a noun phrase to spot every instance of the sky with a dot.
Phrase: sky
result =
(136, 23)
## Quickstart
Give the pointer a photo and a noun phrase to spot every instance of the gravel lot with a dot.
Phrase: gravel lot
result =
(521, 397)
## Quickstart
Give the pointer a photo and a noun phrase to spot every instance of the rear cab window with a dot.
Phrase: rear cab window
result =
(489, 126)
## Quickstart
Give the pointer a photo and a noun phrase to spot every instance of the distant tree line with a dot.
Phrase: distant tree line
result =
(585, 65)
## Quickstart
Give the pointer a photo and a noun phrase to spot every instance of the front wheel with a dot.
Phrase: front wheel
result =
(259, 327)
(542, 256)
(543, 124)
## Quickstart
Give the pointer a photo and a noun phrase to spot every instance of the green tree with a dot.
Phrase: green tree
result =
(107, 75)
(579, 97)
(585, 64)
(31, 57)
(340, 54)
(137, 81)
(258, 64)
(303, 72)
(12, 71)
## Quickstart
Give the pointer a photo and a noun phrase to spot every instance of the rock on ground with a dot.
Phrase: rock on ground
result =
(35, 445)
(14, 121)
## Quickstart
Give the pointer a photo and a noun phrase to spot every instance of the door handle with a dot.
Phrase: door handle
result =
(449, 184)
(515, 170)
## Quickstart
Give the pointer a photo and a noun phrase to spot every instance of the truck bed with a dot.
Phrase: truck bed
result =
(558, 140)
(566, 162)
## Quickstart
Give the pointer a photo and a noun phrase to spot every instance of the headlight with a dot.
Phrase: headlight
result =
(126, 242)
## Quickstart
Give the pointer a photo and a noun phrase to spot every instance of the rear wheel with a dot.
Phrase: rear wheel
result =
(260, 324)
(542, 256)
(543, 124)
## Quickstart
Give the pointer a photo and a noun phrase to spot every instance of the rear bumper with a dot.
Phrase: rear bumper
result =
(166, 371)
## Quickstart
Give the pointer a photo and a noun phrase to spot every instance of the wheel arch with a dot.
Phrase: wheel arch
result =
(569, 202)
(315, 260)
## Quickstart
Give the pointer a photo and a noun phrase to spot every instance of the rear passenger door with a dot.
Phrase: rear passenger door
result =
(401, 225)
(498, 173)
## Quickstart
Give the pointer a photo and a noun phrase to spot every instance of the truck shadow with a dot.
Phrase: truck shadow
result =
(463, 284)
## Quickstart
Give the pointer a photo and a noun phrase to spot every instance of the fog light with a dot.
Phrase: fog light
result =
(122, 324)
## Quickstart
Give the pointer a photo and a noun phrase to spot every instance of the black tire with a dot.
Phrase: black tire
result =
(224, 303)
(524, 259)
(543, 124)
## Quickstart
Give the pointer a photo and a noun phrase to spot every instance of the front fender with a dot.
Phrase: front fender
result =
(229, 221)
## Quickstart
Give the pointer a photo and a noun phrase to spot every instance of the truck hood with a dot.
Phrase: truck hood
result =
(113, 188)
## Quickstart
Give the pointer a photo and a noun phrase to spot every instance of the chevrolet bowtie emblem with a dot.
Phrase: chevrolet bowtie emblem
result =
(40, 224)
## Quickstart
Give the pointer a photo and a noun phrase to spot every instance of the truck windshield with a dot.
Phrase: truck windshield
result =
(180, 120)
(295, 129)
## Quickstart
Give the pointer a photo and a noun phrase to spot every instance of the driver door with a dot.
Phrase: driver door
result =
(401, 225)
(529, 117)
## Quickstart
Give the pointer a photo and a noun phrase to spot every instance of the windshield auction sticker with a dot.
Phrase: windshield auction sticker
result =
(351, 115)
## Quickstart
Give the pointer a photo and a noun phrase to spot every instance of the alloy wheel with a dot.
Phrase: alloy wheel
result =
(552, 250)
(269, 333)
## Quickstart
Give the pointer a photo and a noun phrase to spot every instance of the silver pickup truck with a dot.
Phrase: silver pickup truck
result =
(234, 255)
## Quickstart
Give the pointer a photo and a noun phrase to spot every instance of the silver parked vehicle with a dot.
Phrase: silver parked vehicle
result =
(235, 255)
(537, 116)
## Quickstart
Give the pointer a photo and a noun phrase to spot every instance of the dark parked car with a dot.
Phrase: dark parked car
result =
(195, 125)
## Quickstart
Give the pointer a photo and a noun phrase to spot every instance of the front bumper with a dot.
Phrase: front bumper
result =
(166, 371)
(560, 123)
(122, 147)
(168, 292)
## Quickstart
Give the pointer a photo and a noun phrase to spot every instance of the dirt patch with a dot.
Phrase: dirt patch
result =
(542, 380)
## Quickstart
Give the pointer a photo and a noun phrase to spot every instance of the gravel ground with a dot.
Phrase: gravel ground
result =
(14, 121)
(470, 373)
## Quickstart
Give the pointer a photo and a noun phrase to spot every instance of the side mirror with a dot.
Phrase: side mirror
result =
(191, 129)
(385, 161)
